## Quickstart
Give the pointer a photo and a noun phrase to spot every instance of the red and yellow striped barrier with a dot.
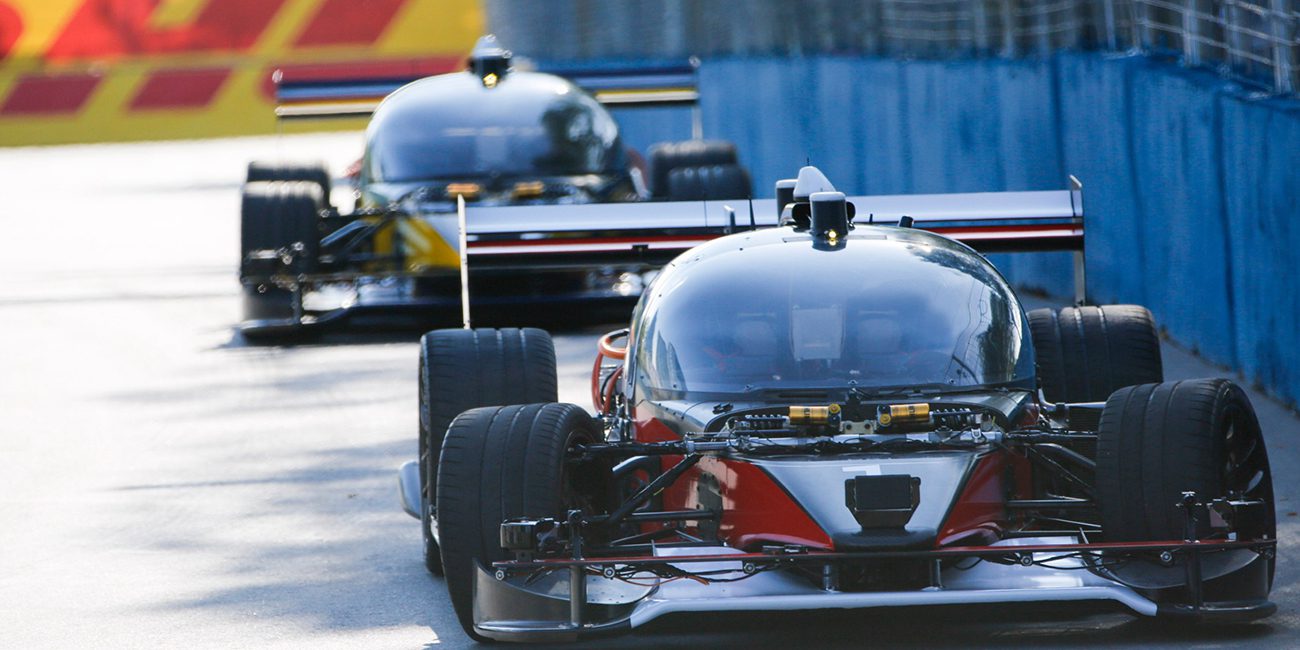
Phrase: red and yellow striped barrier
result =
(114, 70)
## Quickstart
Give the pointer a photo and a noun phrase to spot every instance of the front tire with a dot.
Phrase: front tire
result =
(1156, 441)
(284, 217)
(280, 215)
(463, 369)
(500, 463)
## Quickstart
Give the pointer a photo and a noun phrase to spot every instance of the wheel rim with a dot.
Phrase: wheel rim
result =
(1245, 465)
(1245, 470)
(572, 494)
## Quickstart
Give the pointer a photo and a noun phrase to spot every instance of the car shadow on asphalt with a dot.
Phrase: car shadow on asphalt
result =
(349, 560)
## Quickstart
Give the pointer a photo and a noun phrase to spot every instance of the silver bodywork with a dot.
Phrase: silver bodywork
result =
(984, 583)
(817, 484)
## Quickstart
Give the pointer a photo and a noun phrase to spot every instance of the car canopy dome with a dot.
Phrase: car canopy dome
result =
(521, 124)
(889, 308)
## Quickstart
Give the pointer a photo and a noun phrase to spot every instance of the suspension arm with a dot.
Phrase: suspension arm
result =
(646, 493)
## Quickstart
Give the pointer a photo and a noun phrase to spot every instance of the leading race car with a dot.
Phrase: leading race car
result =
(488, 136)
(831, 414)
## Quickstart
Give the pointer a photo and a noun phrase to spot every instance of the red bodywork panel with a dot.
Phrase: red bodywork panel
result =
(755, 510)
(978, 514)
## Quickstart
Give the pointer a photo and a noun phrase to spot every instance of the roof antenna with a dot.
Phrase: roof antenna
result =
(752, 225)
(871, 218)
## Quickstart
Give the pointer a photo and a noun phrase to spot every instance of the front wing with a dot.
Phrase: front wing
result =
(530, 601)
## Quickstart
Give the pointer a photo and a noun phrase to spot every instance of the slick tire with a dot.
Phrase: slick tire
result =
(1086, 353)
(314, 172)
(708, 183)
(281, 214)
(1156, 441)
(667, 156)
(274, 216)
(463, 369)
(499, 463)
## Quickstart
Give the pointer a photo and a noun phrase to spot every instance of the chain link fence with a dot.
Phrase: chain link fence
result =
(1254, 41)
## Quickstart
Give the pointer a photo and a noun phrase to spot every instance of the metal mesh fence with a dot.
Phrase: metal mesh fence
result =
(1256, 41)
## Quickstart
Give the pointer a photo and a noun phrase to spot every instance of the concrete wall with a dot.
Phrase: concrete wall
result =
(1190, 183)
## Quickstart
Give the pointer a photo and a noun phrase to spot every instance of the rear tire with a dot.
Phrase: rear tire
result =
(463, 369)
(1086, 353)
(667, 156)
(708, 183)
(499, 463)
(316, 172)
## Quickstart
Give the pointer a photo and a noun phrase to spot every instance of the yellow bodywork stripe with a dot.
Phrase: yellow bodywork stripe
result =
(424, 247)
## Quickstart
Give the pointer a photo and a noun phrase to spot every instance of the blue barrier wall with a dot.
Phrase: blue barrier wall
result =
(1190, 183)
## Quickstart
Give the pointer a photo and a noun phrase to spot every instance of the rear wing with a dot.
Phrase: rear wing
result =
(305, 96)
(992, 222)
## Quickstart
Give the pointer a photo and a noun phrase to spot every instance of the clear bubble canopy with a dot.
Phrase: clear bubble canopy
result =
(890, 308)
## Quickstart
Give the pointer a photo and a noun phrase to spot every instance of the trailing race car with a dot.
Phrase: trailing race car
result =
(488, 136)
(832, 414)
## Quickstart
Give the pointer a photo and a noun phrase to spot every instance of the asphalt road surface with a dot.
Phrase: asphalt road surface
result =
(164, 485)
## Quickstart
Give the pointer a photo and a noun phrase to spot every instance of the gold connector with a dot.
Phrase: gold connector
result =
(905, 414)
(813, 414)
(468, 190)
(528, 190)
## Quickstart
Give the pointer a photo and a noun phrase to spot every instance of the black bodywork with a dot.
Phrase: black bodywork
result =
(489, 136)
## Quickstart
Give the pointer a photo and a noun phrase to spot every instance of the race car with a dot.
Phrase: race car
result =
(847, 408)
(488, 136)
